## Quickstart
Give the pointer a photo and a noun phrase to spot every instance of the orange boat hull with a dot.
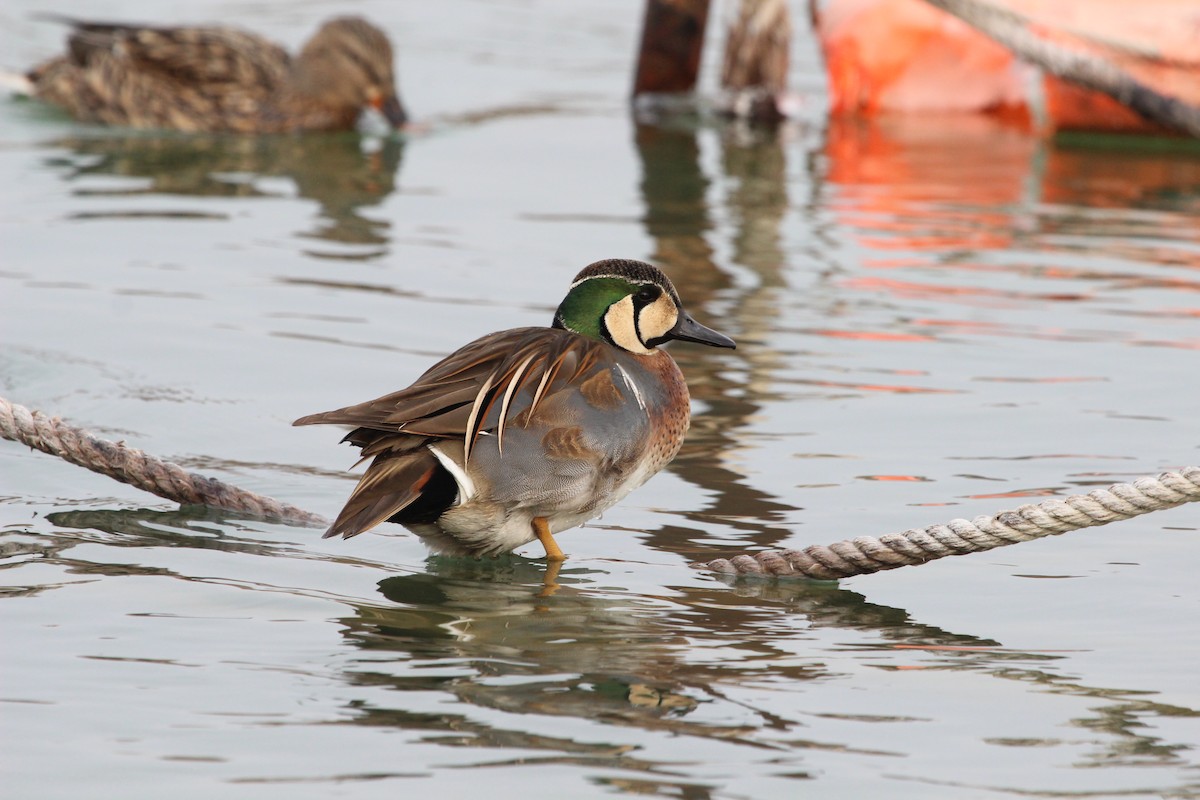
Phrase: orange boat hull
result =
(906, 56)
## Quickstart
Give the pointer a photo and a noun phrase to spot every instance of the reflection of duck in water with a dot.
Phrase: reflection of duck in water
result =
(590, 653)
(333, 170)
(221, 79)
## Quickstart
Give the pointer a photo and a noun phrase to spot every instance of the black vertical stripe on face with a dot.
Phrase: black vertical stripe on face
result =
(646, 294)
(605, 333)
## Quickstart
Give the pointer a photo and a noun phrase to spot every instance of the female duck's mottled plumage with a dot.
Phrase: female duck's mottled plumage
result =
(527, 432)
(221, 79)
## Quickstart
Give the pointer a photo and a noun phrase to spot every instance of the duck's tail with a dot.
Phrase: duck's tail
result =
(15, 83)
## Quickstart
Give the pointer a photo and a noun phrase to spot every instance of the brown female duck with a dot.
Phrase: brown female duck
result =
(221, 79)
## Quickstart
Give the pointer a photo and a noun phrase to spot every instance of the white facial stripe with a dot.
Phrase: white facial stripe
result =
(619, 322)
(605, 275)
(657, 318)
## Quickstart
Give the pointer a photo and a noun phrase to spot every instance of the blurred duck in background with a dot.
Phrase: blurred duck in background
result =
(218, 79)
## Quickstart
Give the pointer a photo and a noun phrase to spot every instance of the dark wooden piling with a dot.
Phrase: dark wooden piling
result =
(672, 39)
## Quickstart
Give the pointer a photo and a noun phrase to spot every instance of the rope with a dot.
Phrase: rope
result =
(866, 554)
(859, 556)
(1012, 31)
(132, 466)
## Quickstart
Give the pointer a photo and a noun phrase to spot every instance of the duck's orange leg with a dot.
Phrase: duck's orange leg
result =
(542, 529)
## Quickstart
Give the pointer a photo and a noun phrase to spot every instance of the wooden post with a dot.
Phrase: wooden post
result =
(755, 68)
(672, 38)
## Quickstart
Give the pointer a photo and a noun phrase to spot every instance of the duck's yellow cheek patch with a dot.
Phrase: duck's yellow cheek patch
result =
(621, 327)
(600, 392)
(657, 318)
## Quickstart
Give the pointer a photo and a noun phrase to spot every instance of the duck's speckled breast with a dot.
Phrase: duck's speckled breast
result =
(591, 440)
(667, 405)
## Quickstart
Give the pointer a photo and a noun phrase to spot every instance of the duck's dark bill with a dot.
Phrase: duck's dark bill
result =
(688, 330)
(393, 111)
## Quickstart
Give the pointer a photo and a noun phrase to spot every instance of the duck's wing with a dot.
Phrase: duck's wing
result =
(481, 387)
(183, 78)
(201, 55)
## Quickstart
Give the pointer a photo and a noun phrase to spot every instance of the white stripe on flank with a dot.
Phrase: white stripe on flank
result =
(633, 387)
(466, 486)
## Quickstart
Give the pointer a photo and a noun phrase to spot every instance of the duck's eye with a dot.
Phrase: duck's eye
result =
(646, 295)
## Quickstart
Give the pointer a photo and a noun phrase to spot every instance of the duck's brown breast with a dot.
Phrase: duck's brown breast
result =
(668, 405)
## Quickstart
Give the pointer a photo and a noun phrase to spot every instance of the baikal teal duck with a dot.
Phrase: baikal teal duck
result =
(527, 432)
(219, 79)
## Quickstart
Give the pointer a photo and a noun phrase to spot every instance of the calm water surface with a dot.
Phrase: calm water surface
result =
(936, 319)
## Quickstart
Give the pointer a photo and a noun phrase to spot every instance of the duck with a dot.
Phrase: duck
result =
(528, 432)
(220, 79)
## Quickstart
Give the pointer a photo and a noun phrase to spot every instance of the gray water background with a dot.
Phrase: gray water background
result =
(936, 319)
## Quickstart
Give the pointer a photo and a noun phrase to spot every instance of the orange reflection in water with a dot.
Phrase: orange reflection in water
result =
(906, 478)
(1016, 495)
(878, 336)
(939, 190)
(913, 151)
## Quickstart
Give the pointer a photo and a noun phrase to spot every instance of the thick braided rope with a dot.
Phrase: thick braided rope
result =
(865, 554)
(129, 465)
(858, 556)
